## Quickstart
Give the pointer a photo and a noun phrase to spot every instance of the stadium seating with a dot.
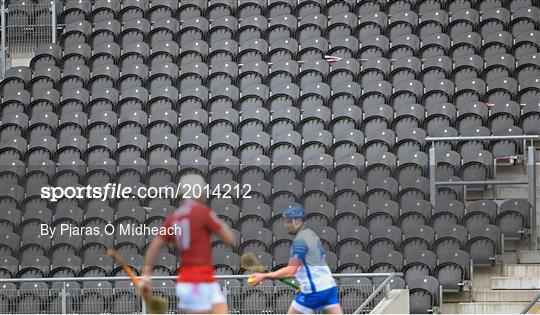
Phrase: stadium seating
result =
(326, 104)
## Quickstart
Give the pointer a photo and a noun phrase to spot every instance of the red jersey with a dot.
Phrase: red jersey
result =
(197, 223)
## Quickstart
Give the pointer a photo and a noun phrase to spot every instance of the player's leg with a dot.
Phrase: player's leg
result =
(220, 308)
(333, 309)
(189, 311)
(297, 308)
(219, 303)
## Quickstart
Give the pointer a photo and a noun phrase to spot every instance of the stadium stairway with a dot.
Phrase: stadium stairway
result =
(502, 289)
(502, 292)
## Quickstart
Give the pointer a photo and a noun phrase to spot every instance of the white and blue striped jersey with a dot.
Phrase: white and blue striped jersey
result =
(314, 274)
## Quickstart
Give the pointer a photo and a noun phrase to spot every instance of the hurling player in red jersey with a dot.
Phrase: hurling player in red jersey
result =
(196, 287)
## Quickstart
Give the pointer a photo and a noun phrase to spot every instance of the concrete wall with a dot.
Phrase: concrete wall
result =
(397, 302)
(21, 61)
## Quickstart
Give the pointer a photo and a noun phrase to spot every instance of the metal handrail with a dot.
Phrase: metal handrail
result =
(3, 49)
(64, 292)
(124, 278)
(465, 138)
(482, 182)
(527, 308)
(374, 294)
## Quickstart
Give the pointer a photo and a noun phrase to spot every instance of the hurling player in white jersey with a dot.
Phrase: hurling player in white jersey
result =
(318, 291)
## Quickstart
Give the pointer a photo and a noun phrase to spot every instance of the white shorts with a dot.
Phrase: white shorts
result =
(199, 296)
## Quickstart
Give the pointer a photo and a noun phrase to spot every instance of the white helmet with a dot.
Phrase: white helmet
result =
(192, 186)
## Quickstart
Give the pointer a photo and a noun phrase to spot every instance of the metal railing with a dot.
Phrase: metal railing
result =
(23, 28)
(528, 307)
(28, 26)
(357, 298)
(3, 48)
(530, 170)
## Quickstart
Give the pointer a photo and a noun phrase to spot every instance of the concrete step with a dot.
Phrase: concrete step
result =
(504, 295)
(529, 257)
(457, 297)
(482, 275)
(515, 283)
(504, 192)
(514, 270)
(449, 308)
(491, 308)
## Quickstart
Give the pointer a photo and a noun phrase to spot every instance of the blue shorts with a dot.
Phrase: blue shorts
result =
(318, 301)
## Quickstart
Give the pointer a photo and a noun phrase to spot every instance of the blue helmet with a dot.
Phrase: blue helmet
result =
(296, 212)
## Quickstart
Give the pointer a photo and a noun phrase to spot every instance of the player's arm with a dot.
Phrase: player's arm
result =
(226, 234)
(220, 228)
(286, 272)
(299, 251)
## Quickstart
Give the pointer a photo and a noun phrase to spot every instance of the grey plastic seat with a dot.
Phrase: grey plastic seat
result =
(105, 31)
(76, 32)
(512, 217)
(447, 213)
(470, 88)
(371, 24)
(10, 219)
(133, 76)
(415, 209)
(65, 265)
(30, 302)
(386, 262)
(523, 17)
(10, 243)
(251, 26)
(449, 239)
(424, 294)
(506, 148)
(431, 21)
(419, 263)
(75, 10)
(222, 28)
(47, 55)
(417, 239)
(452, 270)
(382, 214)
(95, 292)
(496, 43)
(166, 51)
(349, 210)
(377, 137)
(163, 30)
(280, 250)
(134, 30)
(350, 255)
(476, 165)
(484, 244)
(384, 240)
(193, 29)
(134, 51)
(480, 213)
(15, 78)
(132, 9)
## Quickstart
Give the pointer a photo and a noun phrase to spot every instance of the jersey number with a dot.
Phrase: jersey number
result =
(184, 240)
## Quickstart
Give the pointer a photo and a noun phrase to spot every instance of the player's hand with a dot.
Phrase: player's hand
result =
(257, 278)
(145, 289)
